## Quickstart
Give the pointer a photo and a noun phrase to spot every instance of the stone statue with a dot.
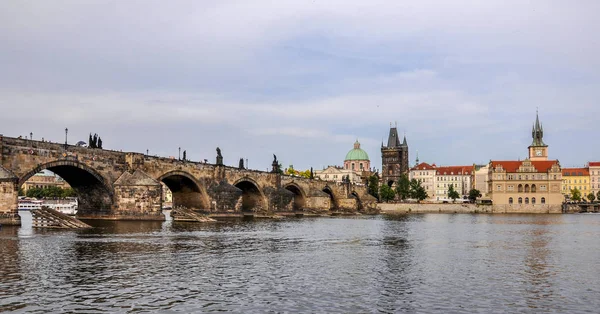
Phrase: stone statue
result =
(275, 165)
(274, 158)
(241, 166)
(219, 157)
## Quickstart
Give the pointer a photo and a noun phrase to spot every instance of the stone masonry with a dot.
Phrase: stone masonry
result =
(117, 185)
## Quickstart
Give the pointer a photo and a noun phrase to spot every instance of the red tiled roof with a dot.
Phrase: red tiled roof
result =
(512, 166)
(575, 171)
(454, 170)
(594, 164)
(423, 166)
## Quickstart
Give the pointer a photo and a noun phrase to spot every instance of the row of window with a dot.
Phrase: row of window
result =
(522, 188)
(521, 177)
(575, 187)
(520, 200)
(575, 181)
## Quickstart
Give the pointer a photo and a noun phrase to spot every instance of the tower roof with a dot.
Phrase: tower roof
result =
(537, 132)
(393, 139)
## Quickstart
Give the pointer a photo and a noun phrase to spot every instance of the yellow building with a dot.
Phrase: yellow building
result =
(44, 180)
(576, 178)
(528, 184)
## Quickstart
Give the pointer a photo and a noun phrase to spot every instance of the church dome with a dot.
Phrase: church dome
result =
(357, 153)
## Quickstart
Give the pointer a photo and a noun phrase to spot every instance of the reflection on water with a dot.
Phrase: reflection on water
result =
(389, 264)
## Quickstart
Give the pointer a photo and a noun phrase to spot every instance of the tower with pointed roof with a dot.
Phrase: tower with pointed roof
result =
(538, 150)
(394, 157)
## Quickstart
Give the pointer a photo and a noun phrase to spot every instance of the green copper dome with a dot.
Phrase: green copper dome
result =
(357, 153)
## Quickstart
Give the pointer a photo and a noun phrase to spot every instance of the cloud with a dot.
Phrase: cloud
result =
(304, 78)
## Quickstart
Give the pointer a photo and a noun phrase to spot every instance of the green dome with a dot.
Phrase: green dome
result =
(357, 153)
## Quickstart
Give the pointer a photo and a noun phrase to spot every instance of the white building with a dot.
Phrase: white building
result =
(424, 173)
(458, 176)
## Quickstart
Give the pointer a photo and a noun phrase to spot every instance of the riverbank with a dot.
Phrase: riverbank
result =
(468, 208)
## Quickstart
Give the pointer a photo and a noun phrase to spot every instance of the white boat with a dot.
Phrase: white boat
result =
(29, 204)
(65, 206)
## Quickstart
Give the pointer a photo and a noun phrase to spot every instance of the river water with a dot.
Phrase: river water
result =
(382, 264)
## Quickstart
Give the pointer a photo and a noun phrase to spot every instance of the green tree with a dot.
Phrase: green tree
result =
(598, 196)
(35, 192)
(403, 187)
(374, 186)
(576, 195)
(452, 193)
(21, 192)
(386, 193)
(417, 191)
(305, 174)
(474, 194)
(591, 197)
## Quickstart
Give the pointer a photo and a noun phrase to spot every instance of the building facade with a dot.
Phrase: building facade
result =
(481, 178)
(460, 177)
(594, 167)
(532, 182)
(43, 180)
(424, 173)
(337, 174)
(576, 178)
(394, 158)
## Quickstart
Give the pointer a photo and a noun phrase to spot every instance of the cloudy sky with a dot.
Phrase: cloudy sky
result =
(304, 79)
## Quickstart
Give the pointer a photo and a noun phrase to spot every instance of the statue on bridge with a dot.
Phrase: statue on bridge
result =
(275, 165)
(241, 165)
(219, 157)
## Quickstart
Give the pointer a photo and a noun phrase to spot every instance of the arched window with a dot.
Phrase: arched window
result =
(533, 189)
(360, 166)
(533, 200)
(520, 200)
(520, 188)
(510, 200)
(543, 200)
(352, 166)
(527, 200)
(526, 188)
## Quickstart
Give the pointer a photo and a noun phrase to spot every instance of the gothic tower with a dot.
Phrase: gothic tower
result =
(538, 150)
(394, 158)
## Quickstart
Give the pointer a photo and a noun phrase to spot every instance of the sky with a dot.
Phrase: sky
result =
(305, 79)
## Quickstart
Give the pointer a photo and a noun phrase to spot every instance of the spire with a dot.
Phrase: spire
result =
(417, 161)
(393, 140)
(537, 132)
(404, 141)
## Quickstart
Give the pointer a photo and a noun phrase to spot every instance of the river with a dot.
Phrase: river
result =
(430, 263)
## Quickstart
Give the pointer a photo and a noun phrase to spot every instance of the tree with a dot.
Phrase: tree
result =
(386, 193)
(591, 197)
(374, 186)
(576, 195)
(100, 143)
(452, 193)
(21, 192)
(403, 187)
(417, 191)
(474, 194)
(598, 195)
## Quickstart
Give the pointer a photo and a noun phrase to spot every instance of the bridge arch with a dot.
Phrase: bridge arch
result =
(253, 199)
(94, 192)
(333, 200)
(187, 191)
(299, 196)
(359, 204)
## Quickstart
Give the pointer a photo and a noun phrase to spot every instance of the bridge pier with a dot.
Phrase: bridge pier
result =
(9, 193)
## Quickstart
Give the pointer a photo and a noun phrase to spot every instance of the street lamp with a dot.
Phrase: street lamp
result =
(179, 153)
(66, 133)
(31, 136)
(146, 152)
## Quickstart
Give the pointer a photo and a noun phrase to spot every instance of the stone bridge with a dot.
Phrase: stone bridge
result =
(127, 186)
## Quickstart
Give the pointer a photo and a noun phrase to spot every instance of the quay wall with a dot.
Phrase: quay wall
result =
(468, 208)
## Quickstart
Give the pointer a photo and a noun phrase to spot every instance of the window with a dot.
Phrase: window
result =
(527, 200)
(526, 188)
(542, 188)
(361, 166)
(510, 200)
(510, 188)
(533, 200)
(498, 187)
(520, 200)
(520, 188)
(533, 189)
(543, 200)
(352, 166)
